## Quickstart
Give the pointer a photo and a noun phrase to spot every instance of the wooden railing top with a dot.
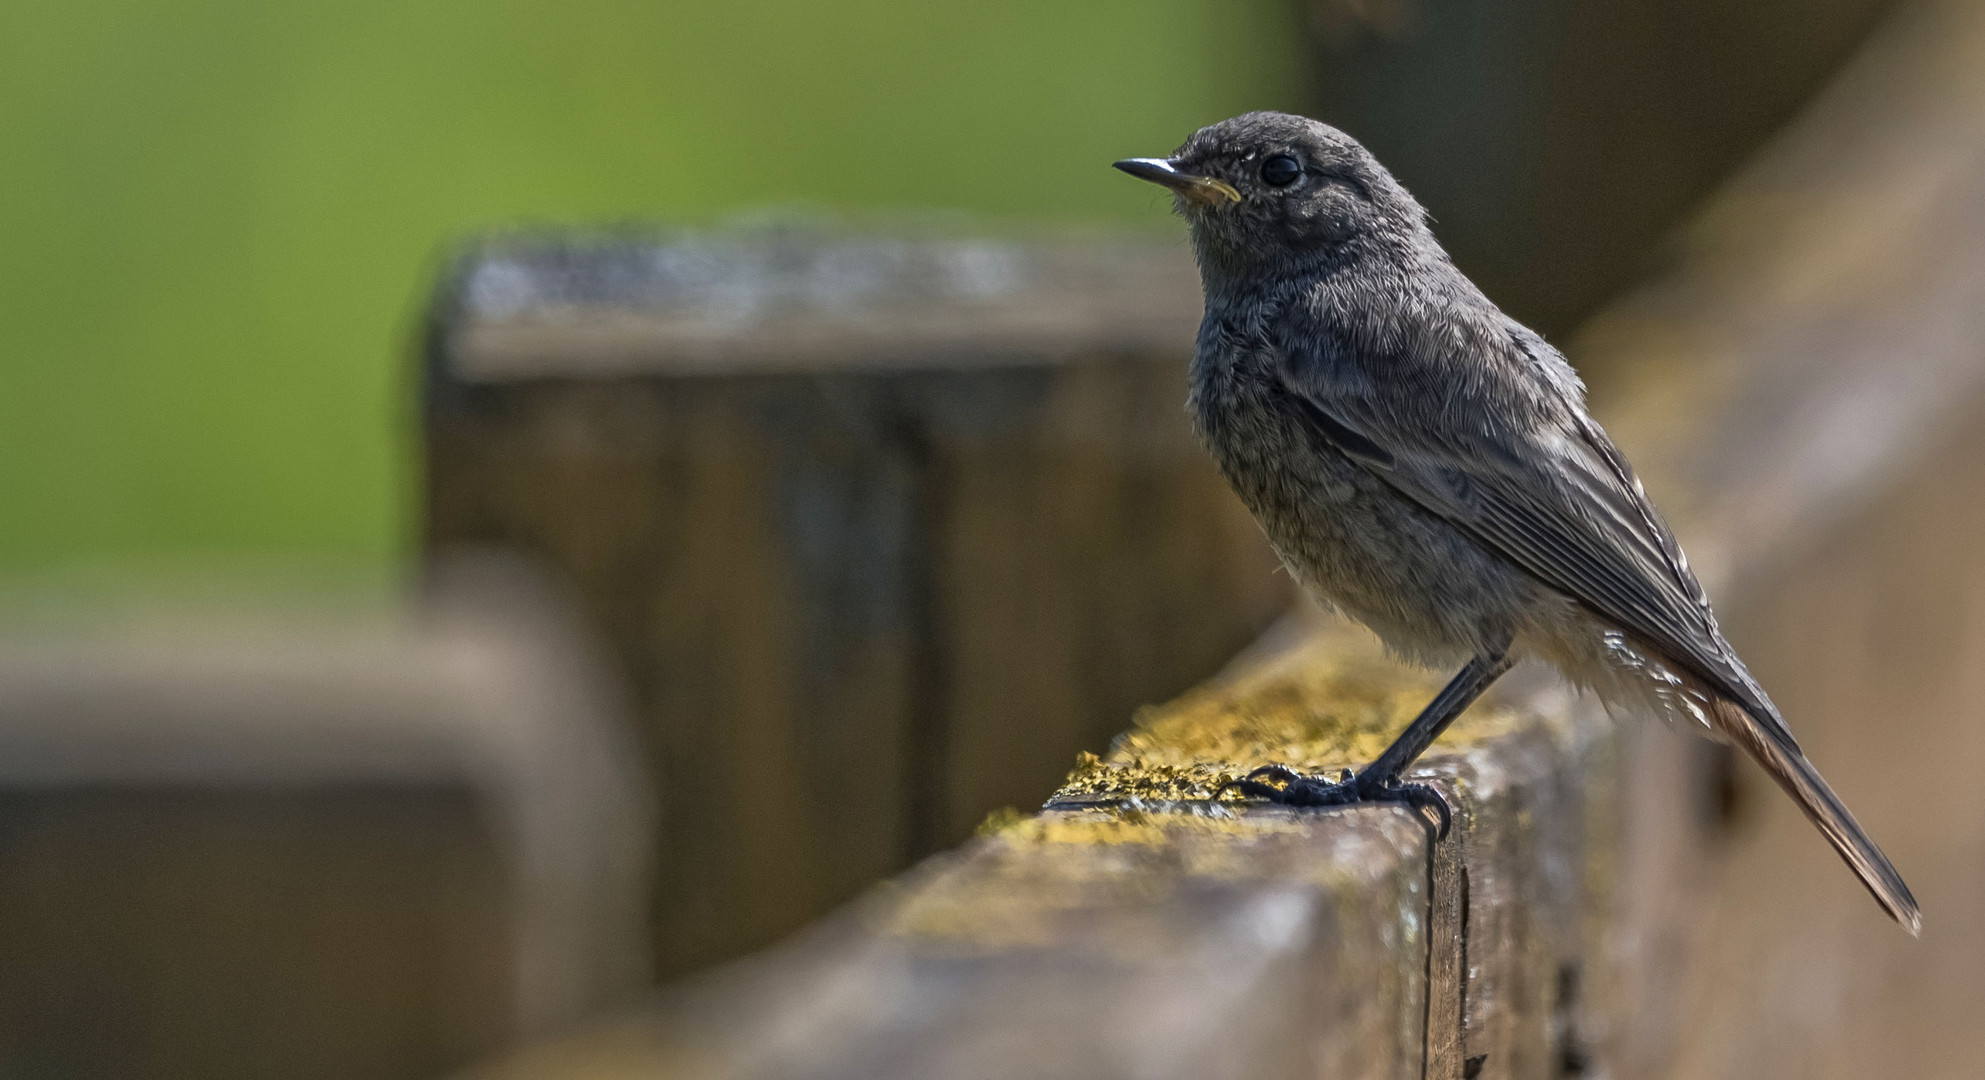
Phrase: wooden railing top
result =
(805, 298)
(1139, 928)
(1321, 698)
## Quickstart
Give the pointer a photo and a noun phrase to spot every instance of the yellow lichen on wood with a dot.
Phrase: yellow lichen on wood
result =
(1332, 702)
(1132, 825)
(1042, 881)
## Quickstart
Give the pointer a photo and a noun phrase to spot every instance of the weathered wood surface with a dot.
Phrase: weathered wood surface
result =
(1535, 782)
(251, 845)
(800, 299)
(1136, 928)
(883, 532)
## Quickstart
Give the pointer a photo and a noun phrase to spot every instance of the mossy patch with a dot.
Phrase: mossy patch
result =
(1333, 702)
(1107, 877)
(1136, 825)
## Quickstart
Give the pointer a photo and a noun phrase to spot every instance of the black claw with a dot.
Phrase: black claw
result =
(1316, 791)
(1423, 797)
(1251, 783)
(1254, 788)
(1280, 772)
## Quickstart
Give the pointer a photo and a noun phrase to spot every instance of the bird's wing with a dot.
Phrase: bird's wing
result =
(1556, 499)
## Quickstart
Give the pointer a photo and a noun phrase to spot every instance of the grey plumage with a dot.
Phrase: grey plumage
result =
(1426, 465)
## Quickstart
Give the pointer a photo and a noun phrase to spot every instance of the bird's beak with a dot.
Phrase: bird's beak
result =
(1204, 190)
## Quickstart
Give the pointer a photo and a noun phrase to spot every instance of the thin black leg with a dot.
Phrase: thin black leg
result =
(1379, 782)
(1459, 693)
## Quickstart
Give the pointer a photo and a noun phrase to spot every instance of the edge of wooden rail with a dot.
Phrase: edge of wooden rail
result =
(806, 297)
(1139, 927)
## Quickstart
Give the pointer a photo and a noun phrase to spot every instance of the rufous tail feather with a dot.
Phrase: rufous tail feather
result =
(1803, 782)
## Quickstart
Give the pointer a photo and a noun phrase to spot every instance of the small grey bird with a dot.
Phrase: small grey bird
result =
(1425, 464)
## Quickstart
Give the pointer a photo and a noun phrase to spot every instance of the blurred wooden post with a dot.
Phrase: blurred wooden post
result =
(884, 532)
(278, 846)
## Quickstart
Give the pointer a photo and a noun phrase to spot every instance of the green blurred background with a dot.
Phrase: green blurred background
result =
(221, 217)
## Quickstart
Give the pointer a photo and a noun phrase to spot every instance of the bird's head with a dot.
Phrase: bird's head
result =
(1269, 192)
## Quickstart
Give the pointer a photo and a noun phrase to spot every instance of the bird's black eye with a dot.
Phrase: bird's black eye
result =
(1281, 170)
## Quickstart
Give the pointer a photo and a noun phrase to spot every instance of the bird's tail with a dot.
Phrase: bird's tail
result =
(1803, 782)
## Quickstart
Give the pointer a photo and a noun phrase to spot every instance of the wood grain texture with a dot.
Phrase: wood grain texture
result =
(1139, 927)
(871, 573)
(1197, 947)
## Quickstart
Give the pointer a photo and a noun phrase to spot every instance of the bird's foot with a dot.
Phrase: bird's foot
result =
(1348, 790)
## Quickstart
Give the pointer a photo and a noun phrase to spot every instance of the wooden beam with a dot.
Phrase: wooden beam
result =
(883, 532)
(249, 842)
(1139, 928)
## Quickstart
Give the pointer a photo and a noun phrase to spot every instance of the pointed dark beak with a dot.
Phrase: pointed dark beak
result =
(1205, 190)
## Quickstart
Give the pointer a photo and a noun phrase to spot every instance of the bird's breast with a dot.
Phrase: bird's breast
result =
(1349, 538)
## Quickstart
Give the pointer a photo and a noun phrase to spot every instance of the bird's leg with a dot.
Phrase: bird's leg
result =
(1379, 782)
(1459, 693)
